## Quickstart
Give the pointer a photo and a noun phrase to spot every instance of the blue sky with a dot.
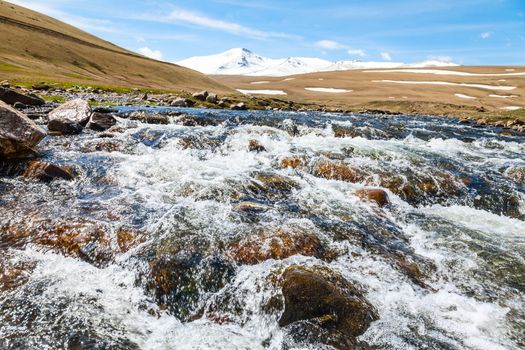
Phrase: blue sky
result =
(472, 32)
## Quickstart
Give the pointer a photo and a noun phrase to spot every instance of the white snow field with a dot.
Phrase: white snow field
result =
(261, 92)
(445, 72)
(479, 86)
(465, 96)
(329, 90)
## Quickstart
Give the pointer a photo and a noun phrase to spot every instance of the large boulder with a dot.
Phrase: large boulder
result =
(18, 133)
(70, 118)
(321, 306)
(11, 97)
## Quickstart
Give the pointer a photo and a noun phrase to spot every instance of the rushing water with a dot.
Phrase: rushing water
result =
(190, 193)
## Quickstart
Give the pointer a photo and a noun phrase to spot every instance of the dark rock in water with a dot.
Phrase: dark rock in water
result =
(47, 172)
(19, 105)
(212, 98)
(104, 110)
(18, 133)
(275, 244)
(70, 118)
(179, 280)
(149, 118)
(101, 121)
(201, 96)
(11, 97)
(64, 127)
(255, 146)
(322, 306)
(342, 131)
(193, 120)
(378, 196)
(238, 107)
(81, 238)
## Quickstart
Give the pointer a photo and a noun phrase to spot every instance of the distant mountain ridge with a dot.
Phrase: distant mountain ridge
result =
(241, 61)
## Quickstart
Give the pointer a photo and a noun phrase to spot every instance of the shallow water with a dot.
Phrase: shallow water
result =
(454, 211)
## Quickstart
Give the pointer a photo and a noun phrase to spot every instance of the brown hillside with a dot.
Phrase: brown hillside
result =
(35, 47)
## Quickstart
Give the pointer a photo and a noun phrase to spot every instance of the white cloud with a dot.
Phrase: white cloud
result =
(386, 56)
(329, 45)
(146, 51)
(197, 19)
(357, 52)
(485, 35)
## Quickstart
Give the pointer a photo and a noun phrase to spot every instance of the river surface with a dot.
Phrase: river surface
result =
(140, 251)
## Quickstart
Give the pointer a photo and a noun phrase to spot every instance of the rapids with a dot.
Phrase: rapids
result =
(140, 251)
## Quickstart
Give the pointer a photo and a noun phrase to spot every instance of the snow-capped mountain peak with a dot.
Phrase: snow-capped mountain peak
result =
(241, 61)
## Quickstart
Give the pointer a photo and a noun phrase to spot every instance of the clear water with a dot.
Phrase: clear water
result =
(180, 187)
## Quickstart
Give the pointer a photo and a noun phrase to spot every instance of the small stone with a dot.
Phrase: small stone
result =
(19, 106)
(238, 107)
(255, 146)
(378, 196)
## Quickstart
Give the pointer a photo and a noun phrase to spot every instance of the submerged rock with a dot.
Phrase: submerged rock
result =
(516, 174)
(336, 171)
(70, 118)
(275, 244)
(47, 172)
(18, 133)
(321, 306)
(378, 196)
(11, 97)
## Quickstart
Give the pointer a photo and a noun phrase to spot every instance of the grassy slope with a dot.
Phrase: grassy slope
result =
(367, 94)
(35, 47)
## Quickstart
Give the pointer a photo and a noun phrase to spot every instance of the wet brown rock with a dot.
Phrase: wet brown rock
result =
(18, 133)
(84, 239)
(275, 244)
(320, 305)
(70, 118)
(293, 162)
(251, 207)
(128, 238)
(342, 131)
(336, 171)
(516, 174)
(378, 196)
(276, 182)
(256, 146)
(47, 172)
(14, 274)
